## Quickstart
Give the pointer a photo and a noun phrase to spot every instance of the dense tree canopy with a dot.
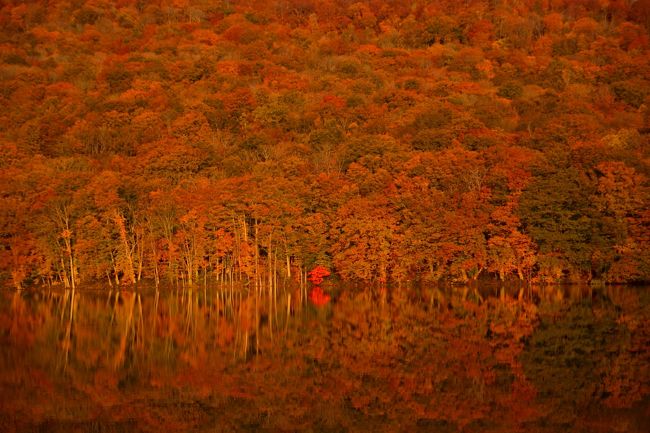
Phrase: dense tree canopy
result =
(385, 140)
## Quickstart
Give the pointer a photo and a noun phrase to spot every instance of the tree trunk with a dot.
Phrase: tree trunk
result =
(130, 270)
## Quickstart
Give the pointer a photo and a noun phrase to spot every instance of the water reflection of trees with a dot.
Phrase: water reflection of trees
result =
(444, 360)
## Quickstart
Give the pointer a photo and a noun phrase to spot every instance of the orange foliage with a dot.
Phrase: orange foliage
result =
(429, 120)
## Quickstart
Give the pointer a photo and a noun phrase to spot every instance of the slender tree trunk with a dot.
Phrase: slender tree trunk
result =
(237, 249)
(63, 275)
(120, 222)
(154, 253)
(140, 250)
(275, 285)
(73, 276)
(244, 228)
(115, 270)
(64, 223)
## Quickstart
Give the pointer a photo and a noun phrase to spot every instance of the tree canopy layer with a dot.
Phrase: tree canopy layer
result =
(382, 139)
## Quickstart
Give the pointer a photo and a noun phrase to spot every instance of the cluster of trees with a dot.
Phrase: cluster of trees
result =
(386, 140)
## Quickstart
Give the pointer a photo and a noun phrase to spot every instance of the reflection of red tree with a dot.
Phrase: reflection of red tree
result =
(318, 297)
(317, 275)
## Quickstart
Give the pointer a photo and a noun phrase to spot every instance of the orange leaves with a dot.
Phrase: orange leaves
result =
(509, 250)
(144, 92)
(332, 105)
(240, 99)
(632, 36)
(171, 159)
(277, 77)
(586, 26)
(435, 109)
(620, 188)
(486, 68)
(241, 31)
(481, 32)
(103, 189)
(369, 49)
(367, 240)
(622, 196)
(553, 22)
(205, 36)
(228, 67)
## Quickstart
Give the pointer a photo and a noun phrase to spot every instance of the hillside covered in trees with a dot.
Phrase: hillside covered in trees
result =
(386, 140)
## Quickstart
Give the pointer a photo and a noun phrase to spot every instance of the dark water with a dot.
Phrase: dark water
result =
(212, 360)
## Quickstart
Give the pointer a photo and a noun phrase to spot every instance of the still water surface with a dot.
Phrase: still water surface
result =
(216, 359)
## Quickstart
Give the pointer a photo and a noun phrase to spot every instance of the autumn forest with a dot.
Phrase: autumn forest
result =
(386, 141)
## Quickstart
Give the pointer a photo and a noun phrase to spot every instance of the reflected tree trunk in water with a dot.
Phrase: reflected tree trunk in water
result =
(385, 358)
(68, 336)
(118, 359)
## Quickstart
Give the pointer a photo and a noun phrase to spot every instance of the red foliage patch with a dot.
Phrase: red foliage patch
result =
(317, 274)
(318, 297)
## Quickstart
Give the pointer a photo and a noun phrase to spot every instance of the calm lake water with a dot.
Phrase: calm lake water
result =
(217, 359)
